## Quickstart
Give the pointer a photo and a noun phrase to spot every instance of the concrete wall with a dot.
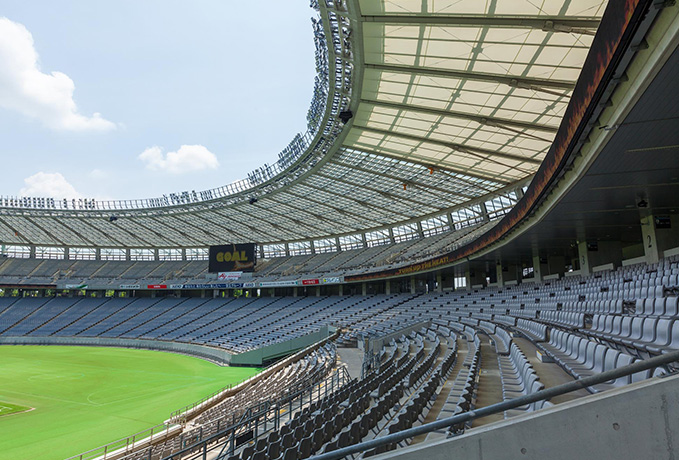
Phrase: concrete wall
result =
(221, 357)
(634, 422)
(269, 352)
(216, 355)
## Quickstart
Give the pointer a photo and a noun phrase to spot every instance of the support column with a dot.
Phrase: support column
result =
(439, 282)
(537, 269)
(364, 288)
(341, 289)
(583, 258)
(412, 285)
(649, 240)
(294, 291)
(420, 230)
(387, 287)
(499, 279)
(484, 212)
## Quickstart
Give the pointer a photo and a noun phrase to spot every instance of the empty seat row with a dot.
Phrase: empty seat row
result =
(582, 357)
(648, 334)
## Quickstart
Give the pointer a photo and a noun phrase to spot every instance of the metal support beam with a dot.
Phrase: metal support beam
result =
(551, 23)
(453, 146)
(490, 121)
(509, 80)
(441, 167)
(409, 181)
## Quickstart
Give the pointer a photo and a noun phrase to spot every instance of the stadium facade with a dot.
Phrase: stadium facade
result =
(471, 171)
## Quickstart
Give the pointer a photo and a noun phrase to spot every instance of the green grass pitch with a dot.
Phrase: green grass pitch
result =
(84, 397)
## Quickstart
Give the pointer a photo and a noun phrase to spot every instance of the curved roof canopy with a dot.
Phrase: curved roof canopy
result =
(453, 102)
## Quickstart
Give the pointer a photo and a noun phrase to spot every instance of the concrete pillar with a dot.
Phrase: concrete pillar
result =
(318, 291)
(439, 282)
(364, 288)
(287, 250)
(313, 247)
(294, 291)
(183, 253)
(155, 254)
(387, 287)
(341, 289)
(412, 285)
(537, 268)
(649, 240)
(499, 278)
(583, 258)
(391, 235)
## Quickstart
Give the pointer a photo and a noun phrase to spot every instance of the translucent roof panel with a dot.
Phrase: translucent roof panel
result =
(453, 103)
(485, 8)
(477, 87)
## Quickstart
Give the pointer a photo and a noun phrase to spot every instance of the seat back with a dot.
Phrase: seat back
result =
(599, 357)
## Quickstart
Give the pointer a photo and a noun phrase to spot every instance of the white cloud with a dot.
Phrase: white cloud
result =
(188, 158)
(26, 89)
(48, 185)
(98, 174)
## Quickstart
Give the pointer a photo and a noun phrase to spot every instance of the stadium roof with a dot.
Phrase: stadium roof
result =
(453, 103)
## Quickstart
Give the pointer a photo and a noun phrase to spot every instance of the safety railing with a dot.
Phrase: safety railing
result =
(391, 439)
(175, 416)
(259, 420)
(128, 444)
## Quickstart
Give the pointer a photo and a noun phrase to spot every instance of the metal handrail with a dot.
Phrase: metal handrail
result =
(340, 376)
(548, 393)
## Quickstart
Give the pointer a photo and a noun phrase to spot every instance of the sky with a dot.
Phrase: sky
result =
(124, 99)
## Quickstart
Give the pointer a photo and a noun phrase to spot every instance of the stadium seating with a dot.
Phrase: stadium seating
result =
(586, 324)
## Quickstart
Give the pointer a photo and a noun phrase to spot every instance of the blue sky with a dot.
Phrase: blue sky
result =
(134, 99)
